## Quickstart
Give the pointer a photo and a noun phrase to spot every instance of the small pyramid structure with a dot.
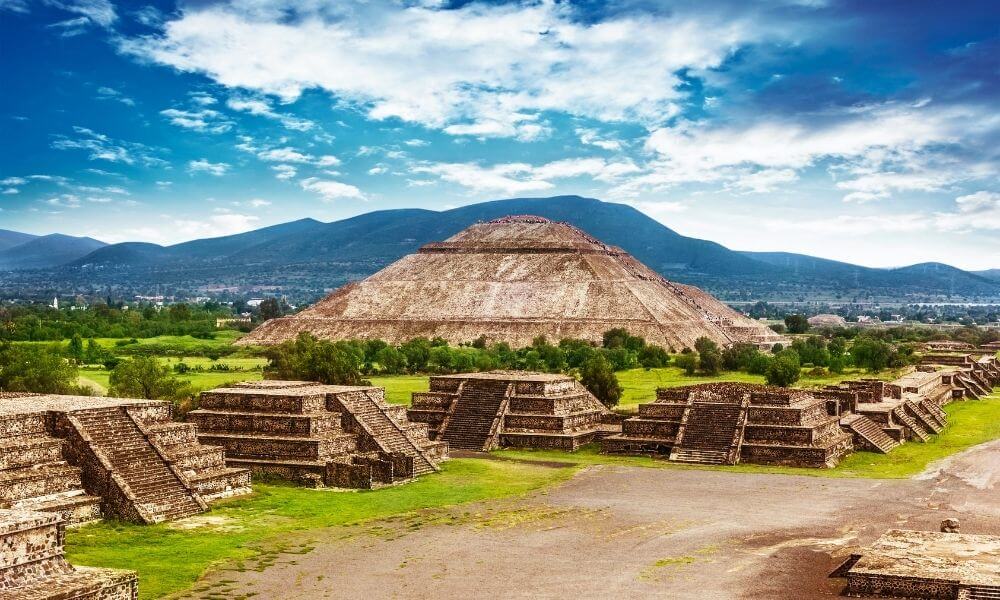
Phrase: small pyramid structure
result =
(511, 280)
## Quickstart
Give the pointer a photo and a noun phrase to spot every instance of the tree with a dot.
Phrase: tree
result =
(653, 357)
(710, 361)
(598, 377)
(145, 377)
(784, 369)
(417, 352)
(34, 368)
(871, 354)
(309, 359)
(75, 348)
(796, 323)
(391, 360)
(739, 356)
(704, 344)
(687, 361)
(270, 308)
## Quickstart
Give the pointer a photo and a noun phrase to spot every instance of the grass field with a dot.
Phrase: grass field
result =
(169, 558)
(223, 339)
(399, 388)
(200, 381)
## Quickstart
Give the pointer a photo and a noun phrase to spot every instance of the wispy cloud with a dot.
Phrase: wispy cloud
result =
(262, 107)
(103, 147)
(204, 166)
(331, 190)
(204, 120)
(107, 93)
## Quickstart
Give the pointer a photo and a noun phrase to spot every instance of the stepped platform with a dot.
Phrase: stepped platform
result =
(318, 435)
(925, 564)
(725, 423)
(485, 411)
(32, 566)
(83, 457)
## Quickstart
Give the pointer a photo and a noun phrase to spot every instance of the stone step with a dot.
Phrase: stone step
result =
(704, 457)
(911, 424)
(870, 431)
(75, 506)
(239, 445)
(28, 482)
(983, 592)
(26, 451)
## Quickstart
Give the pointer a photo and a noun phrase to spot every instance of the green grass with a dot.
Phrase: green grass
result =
(200, 381)
(223, 339)
(400, 388)
(169, 559)
(970, 423)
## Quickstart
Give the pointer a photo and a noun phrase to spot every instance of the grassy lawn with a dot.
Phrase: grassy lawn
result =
(200, 381)
(399, 388)
(169, 559)
(223, 339)
(969, 423)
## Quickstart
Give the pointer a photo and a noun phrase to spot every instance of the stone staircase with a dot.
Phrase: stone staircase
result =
(925, 418)
(980, 592)
(916, 428)
(709, 431)
(151, 486)
(869, 431)
(934, 409)
(473, 420)
(35, 476)
(385, 432)
(32, 565)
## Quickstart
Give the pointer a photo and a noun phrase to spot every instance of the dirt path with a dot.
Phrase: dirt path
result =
(632, 533)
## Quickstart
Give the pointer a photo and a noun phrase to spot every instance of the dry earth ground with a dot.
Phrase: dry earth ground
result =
(628, 532)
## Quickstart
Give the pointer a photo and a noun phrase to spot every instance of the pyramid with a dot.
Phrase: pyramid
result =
(511, 280)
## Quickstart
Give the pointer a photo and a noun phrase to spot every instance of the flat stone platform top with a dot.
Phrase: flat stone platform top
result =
(918, 378)
(13, 520)
(509, 376)
(288, 388)
(57, 403)
(955, 557)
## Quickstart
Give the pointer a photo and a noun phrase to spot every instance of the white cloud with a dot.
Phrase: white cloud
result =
(259, 202)
(202, 98)
(100, 12)
(13, 181)
(215, 225)
(64, 201)
(10, 191)
(416, 143)
(284, 171)
(107, 93)
(872, 151)
(204, 166)
(378, 169)
(592, 137)
(515, 178)
(287, 154)
(262, 108)
(328, 161)
(331, 190)
(980, 210)
(205, 120)
(103, 147)
(482, 69)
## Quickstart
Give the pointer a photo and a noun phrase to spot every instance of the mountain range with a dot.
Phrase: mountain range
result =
(304, 258)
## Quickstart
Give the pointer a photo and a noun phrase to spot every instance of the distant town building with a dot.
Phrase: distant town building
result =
(254, 302)
(55, 302)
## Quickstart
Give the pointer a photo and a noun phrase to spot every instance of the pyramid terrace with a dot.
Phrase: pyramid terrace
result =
(511, 280)
(319, 435)
(484, 411)
(84, 457)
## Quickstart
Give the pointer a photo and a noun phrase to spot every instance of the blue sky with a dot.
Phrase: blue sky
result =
(860, 131)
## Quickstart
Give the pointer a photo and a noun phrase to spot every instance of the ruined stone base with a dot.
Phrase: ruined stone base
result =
(548, 441)
(927, 564)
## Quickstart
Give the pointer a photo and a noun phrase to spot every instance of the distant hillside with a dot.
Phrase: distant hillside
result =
(9, 239)
(989, 274)
(305, 258)
(47, 251)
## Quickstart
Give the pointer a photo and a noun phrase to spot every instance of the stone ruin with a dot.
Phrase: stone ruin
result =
(484, 411)
(84, 457)
(319, 435)
(512, 280)
(726, 423)
(925, 564)
(32, 566)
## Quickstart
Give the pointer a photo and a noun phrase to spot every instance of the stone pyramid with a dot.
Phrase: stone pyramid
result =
(513, 279)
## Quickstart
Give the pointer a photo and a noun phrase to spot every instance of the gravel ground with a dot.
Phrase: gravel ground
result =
(628, 532)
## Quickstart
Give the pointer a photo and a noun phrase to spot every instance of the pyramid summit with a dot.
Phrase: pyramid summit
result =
(513, 279)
